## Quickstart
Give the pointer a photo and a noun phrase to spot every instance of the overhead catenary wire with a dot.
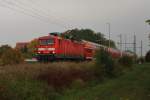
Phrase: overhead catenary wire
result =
(21, 11)
(34, 5)
(27, 11)
(43, 12)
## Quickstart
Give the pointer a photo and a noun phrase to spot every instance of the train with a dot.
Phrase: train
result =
(54, 47)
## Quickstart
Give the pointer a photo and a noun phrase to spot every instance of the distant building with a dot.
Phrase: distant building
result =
(21, 45)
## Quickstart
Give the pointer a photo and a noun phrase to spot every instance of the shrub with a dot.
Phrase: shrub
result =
(147, 57)
(140, 60)
(11, 56)
(3, 48)
(58, 74)
(62, 75)
(109, 67)
(126, 61)
(104, 64)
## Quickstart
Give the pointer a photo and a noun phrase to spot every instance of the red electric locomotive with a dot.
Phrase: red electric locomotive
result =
(53, 47)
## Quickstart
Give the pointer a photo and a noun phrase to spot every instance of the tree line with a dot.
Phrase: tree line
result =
(89, 35)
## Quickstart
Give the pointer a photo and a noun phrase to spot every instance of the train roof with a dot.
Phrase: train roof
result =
(47, 37)
(95, 45)
(57, 37)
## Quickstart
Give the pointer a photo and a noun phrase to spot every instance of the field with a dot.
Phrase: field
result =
(134, 85)
(29, 82)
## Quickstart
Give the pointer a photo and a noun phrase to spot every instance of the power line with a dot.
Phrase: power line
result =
(14, 6)
(44, 17)
(44, 12)
(134, 45)
(20, 11)
(48, 11)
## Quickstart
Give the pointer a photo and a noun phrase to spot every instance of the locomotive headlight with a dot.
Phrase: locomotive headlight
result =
(51, 49)
(41, 49)
(39, 52)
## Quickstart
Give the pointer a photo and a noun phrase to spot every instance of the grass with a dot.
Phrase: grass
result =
(134, 85)
(38, 81)
(25, 90)
(22, 82)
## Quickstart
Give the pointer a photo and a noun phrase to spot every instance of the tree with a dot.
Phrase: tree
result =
(3, 48)
(24, 50)
(148, 21)
(77, 34)
(147, 57)
(31, 47)
(9, 55)
(87, 34)
(112, 43)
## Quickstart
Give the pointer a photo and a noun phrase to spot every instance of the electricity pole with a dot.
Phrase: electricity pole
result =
(141, 48)
(109, 34)
(134, 44)
(149, 39)
(124, 45)
(125, 42)
(120, 36)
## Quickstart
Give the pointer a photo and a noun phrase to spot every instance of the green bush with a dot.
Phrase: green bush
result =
(109, 67)
(63, 75)
(104, 64)
(11, 56)
(3, 48)
(147, 57)
(126, 61)
(140, 60)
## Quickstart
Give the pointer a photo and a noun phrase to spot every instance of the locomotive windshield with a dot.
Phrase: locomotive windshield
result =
(47, 42)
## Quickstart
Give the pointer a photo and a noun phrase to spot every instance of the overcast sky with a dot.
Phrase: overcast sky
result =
(23, 20)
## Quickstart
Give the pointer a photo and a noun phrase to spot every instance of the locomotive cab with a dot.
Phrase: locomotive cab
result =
(46, 48)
